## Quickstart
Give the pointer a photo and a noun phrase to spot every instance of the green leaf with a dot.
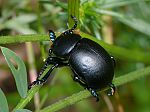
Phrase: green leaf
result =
(135, 23)
(21, 23)
(23, 110)
(118, 3)
(19, 72)
(3, 102)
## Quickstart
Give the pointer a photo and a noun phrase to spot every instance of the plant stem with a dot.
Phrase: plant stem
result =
(32, 70)
(107, 30)
(22, 38)
(85, 94)
(117, 52)
(73, 9)
(24, 101)
(40, 28)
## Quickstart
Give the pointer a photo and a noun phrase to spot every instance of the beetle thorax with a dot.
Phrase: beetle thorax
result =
(64, 44)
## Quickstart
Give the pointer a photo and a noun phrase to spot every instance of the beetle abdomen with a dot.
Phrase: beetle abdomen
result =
(92, 63)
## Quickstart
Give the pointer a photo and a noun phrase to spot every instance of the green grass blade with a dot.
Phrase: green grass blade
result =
(19, 72)
(3, 102)
(135, 23)
(118, 3)
(23, 110)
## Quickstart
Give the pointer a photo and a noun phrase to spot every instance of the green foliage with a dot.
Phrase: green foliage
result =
(3, 102)
(130, 25)
(18, 70)
(96, 9)
(23, 110)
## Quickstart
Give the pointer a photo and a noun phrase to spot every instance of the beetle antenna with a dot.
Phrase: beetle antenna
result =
(52, 35)
(75, 22)
(70, 31)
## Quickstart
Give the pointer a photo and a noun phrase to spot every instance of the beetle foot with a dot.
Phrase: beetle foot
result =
(111, 90)
(37, 82)
(93, 92)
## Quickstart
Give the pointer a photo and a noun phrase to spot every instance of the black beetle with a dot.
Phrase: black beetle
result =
(92, 66)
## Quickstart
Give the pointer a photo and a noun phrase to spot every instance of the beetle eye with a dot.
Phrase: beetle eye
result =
(52, 35)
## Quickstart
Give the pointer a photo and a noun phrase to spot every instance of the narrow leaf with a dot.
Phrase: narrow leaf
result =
(118, 3)
(135, 23)
(23, 110)
(138, 24)
(20, 23)
(19, 73)
(3, 102)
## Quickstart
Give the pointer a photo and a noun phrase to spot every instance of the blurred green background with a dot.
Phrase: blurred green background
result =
(124, 23)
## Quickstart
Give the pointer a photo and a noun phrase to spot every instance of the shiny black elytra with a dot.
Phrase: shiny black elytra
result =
(92, 66)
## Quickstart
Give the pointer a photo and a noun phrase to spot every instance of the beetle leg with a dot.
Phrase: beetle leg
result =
(111, 90)
(43, 80)
(48, 73)
(93, 92)
(50, 51)
(50, 60)
(77, 79)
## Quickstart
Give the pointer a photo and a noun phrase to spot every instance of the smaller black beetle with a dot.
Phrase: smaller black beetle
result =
(92, 66)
